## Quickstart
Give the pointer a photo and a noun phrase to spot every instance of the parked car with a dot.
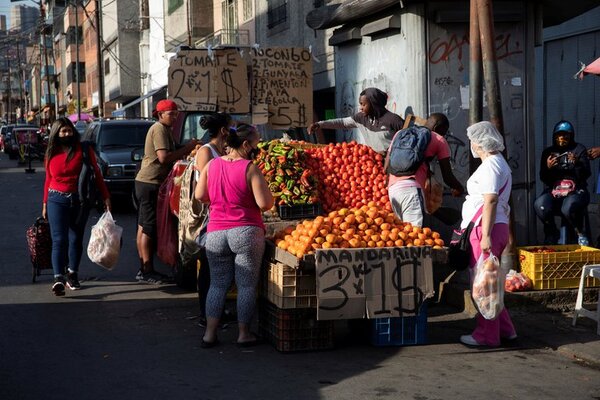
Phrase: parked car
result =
(119, 147)
(11, 146)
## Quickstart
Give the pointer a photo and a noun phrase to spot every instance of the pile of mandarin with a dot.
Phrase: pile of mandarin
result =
(367, 226)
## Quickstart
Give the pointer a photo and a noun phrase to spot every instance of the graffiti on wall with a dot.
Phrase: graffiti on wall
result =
(441, 49)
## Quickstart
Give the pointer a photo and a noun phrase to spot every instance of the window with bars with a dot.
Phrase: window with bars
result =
(276, 13)
(248, 11)
(72, 35)
(72, 72)
(229, 8)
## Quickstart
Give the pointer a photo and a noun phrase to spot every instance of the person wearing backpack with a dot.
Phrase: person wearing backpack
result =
(373, 120)
(407, 166)
(63, 205)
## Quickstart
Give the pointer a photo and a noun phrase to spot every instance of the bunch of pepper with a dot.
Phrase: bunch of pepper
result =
(290, 181)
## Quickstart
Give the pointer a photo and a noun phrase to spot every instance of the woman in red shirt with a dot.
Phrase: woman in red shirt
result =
(61, 206)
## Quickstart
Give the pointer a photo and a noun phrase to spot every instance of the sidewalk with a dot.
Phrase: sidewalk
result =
(543, 319)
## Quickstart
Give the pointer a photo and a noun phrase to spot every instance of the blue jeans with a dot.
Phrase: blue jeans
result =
(67, 223)
(571, 207)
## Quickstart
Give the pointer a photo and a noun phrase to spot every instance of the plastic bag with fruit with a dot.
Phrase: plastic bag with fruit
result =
(488, 286)
(517, 282)
(433, 193)
(105, 242)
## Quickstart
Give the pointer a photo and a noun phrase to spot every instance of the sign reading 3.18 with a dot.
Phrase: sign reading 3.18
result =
(378, 283)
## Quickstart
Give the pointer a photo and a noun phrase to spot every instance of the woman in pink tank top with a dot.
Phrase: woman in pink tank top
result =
(237, 192)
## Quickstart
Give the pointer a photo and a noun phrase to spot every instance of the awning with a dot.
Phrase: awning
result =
(120, 112)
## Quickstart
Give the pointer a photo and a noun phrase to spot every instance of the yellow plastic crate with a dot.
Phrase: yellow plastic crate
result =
(558, 270)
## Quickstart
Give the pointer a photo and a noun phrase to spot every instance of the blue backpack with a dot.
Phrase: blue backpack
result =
(408, 150)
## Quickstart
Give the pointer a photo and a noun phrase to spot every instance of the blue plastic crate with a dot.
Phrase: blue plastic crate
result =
(400, 331)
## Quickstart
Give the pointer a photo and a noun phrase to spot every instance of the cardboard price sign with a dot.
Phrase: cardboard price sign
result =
(376, 283)
(200, 80)
(282, 87)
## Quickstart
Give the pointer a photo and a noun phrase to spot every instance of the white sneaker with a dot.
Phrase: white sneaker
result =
(469, 340)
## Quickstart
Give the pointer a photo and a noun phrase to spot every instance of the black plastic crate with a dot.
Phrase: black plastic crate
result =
(300, 211)
(294, 329)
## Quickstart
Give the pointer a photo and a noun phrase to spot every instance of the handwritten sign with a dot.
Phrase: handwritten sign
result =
(376, 283)
(282, 87)
(200, 80)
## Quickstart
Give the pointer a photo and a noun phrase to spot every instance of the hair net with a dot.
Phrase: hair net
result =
(485, 135)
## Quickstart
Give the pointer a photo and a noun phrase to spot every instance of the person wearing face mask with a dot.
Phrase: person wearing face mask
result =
(487, 204)
(61, 205)
(564, 170)
(159, 156)
(376, 124)
(217, 125)
(236, 191)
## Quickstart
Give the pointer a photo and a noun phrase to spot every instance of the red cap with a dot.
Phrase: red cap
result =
(165, 105)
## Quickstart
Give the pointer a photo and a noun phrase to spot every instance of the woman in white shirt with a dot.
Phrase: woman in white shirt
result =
(488, 195)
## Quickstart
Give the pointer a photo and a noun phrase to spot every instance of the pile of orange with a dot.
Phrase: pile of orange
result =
(367, 226)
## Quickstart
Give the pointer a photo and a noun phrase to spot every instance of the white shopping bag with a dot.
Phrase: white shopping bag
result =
(105, 242)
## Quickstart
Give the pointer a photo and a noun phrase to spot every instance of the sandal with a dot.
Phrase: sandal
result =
(207, 345)
(251, 343)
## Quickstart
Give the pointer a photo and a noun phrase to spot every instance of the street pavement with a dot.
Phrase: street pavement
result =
(119, 339)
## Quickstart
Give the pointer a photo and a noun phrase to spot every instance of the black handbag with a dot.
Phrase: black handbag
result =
(459, 250)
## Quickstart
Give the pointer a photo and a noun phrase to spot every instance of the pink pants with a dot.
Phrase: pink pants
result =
(489, 332)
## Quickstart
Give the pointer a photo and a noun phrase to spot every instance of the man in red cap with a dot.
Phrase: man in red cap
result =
(159, 156)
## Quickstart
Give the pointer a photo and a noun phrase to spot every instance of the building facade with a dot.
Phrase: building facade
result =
(186, 22)
(23, 18)
(121, 52)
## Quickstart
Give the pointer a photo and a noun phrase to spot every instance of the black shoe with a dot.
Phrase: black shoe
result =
(149, 277)
(73, 281)
(59, 286)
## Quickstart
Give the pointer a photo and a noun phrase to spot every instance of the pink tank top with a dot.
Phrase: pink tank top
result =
(232, 203)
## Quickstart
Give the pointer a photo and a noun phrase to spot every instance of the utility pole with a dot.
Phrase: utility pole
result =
(19, 69)
(475, 76)
(189, 24)
(77, 59)
(100, 67)
(39, 113)
(9, 91)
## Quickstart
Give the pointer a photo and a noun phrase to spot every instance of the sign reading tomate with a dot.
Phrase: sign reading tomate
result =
(376, 283)
(215, 80)
(282, 87)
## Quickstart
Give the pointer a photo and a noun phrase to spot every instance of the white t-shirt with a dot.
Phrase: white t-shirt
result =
(493, 174)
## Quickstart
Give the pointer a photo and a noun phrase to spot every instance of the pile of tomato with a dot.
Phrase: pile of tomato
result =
(350, 175)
